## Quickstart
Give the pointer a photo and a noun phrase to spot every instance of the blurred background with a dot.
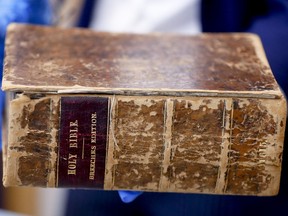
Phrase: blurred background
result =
(267, 18)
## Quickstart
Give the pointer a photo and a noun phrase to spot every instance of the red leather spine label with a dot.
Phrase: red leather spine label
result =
(82, 141)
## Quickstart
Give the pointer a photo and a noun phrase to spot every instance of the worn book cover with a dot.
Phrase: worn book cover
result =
(154, 112)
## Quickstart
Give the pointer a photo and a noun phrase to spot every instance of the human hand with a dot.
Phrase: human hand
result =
(129, 196)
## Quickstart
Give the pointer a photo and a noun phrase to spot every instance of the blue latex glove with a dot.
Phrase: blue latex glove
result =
(129, 196)
(27, 11)
(12, 11)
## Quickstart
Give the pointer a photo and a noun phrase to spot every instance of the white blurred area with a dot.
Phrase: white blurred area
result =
(143, 16)
(27, 201)
(51, 201)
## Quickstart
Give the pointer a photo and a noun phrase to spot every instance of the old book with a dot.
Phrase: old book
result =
(156, 112)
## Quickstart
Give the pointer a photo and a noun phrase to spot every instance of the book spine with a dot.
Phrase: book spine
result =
(150, 143)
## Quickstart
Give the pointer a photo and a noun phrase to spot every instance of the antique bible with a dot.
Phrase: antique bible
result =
(151, 112)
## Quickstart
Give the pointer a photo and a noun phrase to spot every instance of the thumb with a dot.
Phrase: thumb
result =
(129, 196)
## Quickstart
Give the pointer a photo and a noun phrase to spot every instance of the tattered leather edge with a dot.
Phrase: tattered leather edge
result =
(269, 94)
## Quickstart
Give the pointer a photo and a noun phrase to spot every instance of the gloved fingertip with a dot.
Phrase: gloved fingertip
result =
(129, 196)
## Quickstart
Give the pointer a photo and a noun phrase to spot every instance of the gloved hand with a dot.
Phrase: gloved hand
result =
(27, 11)
(12, 11)
(129, 196)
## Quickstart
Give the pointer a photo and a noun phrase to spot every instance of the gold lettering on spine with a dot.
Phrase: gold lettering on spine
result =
(72, 162)
(92, 163)
(93, 127)
(93, 147)
(73, 143)
(73, 134)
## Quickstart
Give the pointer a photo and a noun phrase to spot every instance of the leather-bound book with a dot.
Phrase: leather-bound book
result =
(154, 112)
